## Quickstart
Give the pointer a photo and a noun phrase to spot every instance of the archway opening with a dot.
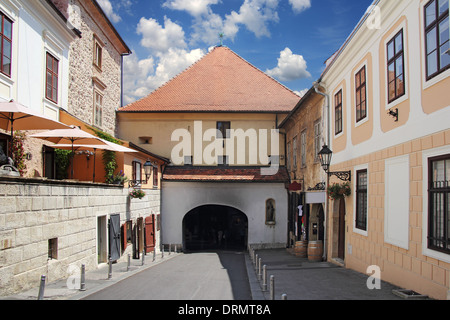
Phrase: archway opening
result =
(214, 227)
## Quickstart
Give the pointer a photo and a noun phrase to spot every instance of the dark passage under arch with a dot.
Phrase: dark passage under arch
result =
(213, 227)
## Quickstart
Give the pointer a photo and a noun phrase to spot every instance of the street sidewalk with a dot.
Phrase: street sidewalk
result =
(95, 280)
(300, 279)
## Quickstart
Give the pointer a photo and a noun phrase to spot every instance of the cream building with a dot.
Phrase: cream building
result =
(390, 128)
(217, 122)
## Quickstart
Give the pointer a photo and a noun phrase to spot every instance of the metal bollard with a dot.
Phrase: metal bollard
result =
(176, 249)
(83, 278)
(264, 285)
(170, 249)
(41, 289)
(110, 269)
(143, 257)
(256, 262)
(154, 254)
(162, 252)
(259, 269)
(284, 297)
(272, 287)
(128, 263)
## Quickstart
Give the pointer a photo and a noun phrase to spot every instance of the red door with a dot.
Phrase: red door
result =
(150, 241)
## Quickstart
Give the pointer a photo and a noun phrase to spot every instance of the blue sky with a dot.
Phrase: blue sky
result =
(288, 39)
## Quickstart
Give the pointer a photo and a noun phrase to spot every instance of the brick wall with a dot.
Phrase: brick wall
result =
(34, 211)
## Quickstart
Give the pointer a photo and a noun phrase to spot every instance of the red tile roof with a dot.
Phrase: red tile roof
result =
(222, 174)
(221, 81)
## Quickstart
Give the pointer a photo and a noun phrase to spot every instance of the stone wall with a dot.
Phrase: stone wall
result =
(32, 211)
(85, 77)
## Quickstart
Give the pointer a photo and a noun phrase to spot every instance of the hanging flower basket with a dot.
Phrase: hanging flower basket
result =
(339, 191)
(137, 194)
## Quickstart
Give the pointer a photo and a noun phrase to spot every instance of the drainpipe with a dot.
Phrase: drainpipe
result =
(317, 85)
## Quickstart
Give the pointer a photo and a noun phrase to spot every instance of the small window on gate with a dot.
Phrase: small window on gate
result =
(53, 249)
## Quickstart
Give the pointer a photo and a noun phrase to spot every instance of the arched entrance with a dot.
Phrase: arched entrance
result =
(215, 227)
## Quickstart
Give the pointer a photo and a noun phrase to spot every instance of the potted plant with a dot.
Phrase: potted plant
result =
(137, 194)
(339, 191)
(119, 178)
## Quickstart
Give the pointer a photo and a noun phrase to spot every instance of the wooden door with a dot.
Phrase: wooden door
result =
(341, 246)
(150, 240)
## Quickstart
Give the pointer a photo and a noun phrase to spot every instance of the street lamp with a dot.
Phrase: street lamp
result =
(325, 156)
(148, 168)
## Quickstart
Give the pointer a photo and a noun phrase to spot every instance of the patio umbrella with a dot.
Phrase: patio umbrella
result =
(14, 116)
(110, 146)
(69, 136)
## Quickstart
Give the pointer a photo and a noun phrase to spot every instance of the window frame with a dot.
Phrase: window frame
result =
(435, 24)
(338, 113)
(358, 93)
(155, 177)
(53, 74)
(224, 128)
(137, 164)
(303, 137)
(98, 119)
(294, 152)
(3, 38)
(445, 191)
(317, 139)
(393, 61)
(98, 53)
(360, 191)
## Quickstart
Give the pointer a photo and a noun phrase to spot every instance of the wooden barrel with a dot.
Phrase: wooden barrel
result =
(301, 249)
(315, 251)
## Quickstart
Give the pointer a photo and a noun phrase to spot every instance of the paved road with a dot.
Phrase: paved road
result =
(220, 275)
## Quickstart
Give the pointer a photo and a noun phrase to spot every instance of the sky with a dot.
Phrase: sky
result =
(290, 40)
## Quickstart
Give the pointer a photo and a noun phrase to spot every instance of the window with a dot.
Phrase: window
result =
(439, 204)
(289, 160)
(155, 177)
(224, 129)
(395, 67)
(303, 148)
(6, 44)
(98, 53)
(361, 104)
(98, 109)
(137, 172)
(317, 140)
(338, 113)
(361, 200)
(294, 152)
(53, 249)
(436, 37)
(52, 78)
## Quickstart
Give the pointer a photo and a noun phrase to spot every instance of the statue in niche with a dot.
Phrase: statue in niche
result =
(270, 212)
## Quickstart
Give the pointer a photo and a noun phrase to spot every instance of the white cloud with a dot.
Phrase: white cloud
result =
(195, 8)
(300, 5)
(301, 93)
(160, 39)
(255, 16)
(109, 11)
(290, 67)
(141, 77)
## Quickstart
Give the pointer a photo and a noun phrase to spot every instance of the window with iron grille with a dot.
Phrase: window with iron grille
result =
(437, 37)
(439, 204)
(6, 45)
(361, 200)
(137, 172)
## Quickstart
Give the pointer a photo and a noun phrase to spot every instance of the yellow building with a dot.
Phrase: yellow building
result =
(389, 93)
(217, 122)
